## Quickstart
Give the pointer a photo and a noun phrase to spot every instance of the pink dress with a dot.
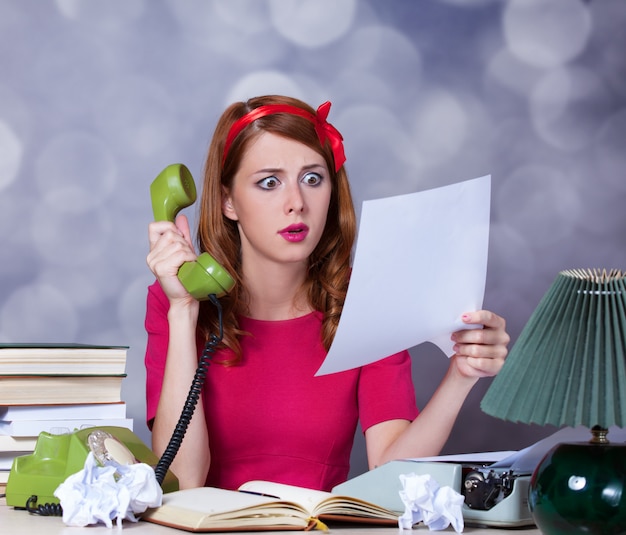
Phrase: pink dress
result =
(269, 417)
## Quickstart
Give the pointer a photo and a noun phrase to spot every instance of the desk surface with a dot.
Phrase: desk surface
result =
(18, 522)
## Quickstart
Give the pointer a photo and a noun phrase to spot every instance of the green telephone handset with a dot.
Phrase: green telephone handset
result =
(171, 191)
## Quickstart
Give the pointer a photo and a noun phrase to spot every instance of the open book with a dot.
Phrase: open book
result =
(262, 505)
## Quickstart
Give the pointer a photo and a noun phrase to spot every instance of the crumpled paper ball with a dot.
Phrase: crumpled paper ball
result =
(106, 493)
(425, 501)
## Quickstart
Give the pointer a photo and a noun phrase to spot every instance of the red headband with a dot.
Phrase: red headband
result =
(325, 130)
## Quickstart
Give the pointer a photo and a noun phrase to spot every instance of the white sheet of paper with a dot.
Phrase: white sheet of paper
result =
(420, 263)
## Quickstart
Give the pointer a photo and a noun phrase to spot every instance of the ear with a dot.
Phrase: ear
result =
(227, 206)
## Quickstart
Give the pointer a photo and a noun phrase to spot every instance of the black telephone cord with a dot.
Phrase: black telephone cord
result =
(45, 509)
(192, 398)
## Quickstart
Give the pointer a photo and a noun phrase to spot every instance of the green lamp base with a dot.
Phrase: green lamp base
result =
(580, 488)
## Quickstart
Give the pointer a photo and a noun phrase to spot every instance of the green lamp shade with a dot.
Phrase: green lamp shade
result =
(568, 366)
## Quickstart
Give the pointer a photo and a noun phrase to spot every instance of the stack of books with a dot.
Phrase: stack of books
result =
(57, 388)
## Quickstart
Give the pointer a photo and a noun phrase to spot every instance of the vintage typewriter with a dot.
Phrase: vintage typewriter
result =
(495, 497)
(494, 484)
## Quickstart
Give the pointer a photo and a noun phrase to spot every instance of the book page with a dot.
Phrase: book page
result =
(320, 503)
(208, 508)
(309, 499)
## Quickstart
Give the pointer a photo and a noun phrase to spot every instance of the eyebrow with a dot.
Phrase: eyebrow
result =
(278, 169)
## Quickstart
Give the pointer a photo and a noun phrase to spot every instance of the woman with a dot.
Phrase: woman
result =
(277, 213)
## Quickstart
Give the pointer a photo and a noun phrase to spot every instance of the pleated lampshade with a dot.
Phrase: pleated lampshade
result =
(568, 366)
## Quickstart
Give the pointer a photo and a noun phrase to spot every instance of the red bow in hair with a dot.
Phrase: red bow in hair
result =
(325, 131)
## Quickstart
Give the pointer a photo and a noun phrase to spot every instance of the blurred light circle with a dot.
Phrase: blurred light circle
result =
(140, 117)
(360, 86)
(510, 72)
(546, 33)
(440, 125)
(381, 51)
(69, 239)
(374, 65)
(246, 16)
(67, 71)
(75, 172)
(312, 23)
(264, 83)
(567, 107)
(11, 153)
(198, 19)
(39, 313)
(385, 149)
(246, 50)
(85, 287)
(237, 32)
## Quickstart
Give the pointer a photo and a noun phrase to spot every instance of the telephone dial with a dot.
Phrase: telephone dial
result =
(34, 478)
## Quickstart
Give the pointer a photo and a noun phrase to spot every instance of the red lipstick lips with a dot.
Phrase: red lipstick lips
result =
(294, 233)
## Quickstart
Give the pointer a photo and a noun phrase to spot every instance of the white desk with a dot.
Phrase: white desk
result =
(17, 522)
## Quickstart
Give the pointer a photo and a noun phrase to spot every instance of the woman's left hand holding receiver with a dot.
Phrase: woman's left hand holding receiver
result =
(480, 352)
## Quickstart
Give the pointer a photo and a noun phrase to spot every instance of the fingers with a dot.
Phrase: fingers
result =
(478, 367)
(170, 247)
(492, 333)
(487, 336)
(158, 229)
(481, 351)
(484, 317)
(182, 224)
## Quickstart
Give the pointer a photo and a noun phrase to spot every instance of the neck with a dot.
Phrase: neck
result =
(273, 291)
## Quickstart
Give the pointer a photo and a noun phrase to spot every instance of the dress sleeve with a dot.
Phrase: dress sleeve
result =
(157, 328)
(386, 391)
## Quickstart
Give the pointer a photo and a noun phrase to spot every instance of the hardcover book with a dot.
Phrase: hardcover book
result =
(62, 359)
(263, 505)
(55, 389)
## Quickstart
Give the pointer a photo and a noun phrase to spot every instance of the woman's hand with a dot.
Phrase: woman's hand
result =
(170, 247)
(481, 352)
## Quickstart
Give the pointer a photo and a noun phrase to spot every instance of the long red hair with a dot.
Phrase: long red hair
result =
(329, 264)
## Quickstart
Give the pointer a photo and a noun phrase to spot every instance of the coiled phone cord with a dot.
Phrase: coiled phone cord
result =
(192, 398)
(45, 509)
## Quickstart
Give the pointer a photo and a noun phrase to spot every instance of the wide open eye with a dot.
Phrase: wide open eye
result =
(270, 182)
(312, 179)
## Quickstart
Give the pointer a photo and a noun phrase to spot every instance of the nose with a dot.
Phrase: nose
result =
(295, 199)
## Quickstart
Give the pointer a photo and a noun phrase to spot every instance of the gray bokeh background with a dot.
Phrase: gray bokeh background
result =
(97, 97)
